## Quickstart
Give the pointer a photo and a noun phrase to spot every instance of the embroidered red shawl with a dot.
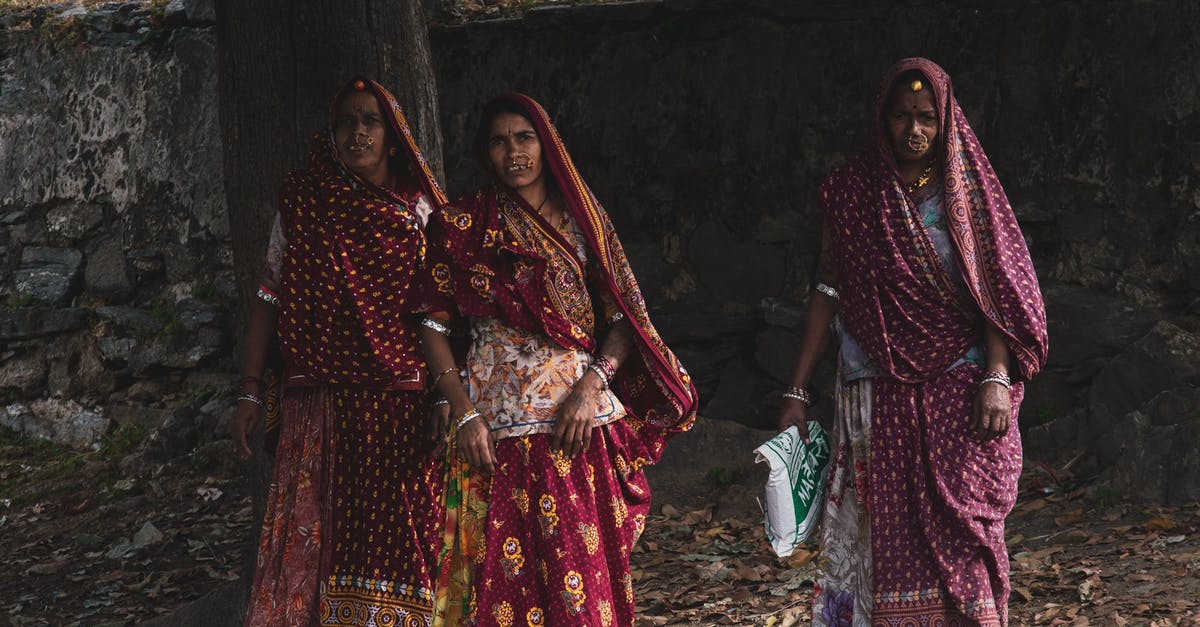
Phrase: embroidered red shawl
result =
(896, 300)
(353, 272)
(500, 259)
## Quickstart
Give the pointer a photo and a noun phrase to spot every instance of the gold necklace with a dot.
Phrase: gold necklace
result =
(923, 179)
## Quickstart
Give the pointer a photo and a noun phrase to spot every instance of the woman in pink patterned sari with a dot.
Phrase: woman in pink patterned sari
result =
(933, 299)
(568, 390)
(352, 526)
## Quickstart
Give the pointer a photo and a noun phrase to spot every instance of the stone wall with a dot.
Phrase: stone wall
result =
(704, 128)
(114, 237)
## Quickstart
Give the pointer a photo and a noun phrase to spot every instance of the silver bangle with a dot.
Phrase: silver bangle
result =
(436, 326)
(467, 417)
(1003, 381)
(270, 298)
(798, 393)
(252, 398)
(441, 401)
(828, 291)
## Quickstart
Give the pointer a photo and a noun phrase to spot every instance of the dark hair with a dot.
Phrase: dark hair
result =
(483, 132)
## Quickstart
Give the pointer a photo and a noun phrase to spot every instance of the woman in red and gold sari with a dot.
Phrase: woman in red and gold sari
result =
(569, 391)
(352, 525)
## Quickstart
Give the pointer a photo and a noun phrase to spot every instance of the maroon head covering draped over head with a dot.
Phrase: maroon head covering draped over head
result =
(353, 273)
(905, 322)
(656, 389)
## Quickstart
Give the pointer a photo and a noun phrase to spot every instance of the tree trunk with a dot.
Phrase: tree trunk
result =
(280, 63)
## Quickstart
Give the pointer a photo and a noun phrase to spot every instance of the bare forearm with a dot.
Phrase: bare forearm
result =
(815, 340)
(440, 359)
(618, 343)
(998, 357)
(256, 343)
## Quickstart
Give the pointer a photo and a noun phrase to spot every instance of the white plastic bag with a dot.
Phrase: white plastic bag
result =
(795, 492)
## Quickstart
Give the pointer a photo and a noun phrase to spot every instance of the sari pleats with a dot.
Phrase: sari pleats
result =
(353, 513)
(556, 549)
(938, 499)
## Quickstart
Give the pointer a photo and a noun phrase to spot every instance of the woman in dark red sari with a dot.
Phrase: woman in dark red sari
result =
(568, 391)
(353, 516)
(933, 299)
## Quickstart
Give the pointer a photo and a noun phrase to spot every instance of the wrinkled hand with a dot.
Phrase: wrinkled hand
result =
(573, 427)
(437, 426)
(794, 412)
(242, 424)
(476, 445)
(992, 412)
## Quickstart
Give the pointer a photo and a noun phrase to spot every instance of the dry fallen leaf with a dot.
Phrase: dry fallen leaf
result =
(1160, 523)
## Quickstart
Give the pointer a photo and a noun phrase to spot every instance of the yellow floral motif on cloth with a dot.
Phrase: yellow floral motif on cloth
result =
(523, 446)
(503, 613)
(620, 511)
(548, 515)
(562, 463)
(535, 617)
(518, 380)
(573, 593)
(513, 560)
(521, 498)
(443, 278)
(606, 614)
(591, 537)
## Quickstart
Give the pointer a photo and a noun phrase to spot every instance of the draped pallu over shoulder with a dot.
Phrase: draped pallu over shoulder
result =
(908, 324)
(355, 273)
(490, 261)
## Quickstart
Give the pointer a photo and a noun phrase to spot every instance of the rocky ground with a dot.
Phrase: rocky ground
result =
(114, 537)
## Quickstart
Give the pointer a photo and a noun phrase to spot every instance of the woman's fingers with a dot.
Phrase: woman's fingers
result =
(991, 412)
(793, 412)
(577, 438)
(477, 448)
(242, 425)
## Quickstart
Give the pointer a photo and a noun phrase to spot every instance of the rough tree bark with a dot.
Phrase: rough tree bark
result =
(280, 62)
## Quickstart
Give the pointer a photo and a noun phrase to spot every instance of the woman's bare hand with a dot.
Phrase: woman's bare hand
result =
(793, 412)
(477, 446)
(993, 411)
(242, 424)
(573, 427)
(437, 426)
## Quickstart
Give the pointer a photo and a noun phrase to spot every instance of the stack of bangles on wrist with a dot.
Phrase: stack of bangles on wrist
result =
(997, 376)
(799, 394)
(465, 418)
(603, 369)
(436, 325)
